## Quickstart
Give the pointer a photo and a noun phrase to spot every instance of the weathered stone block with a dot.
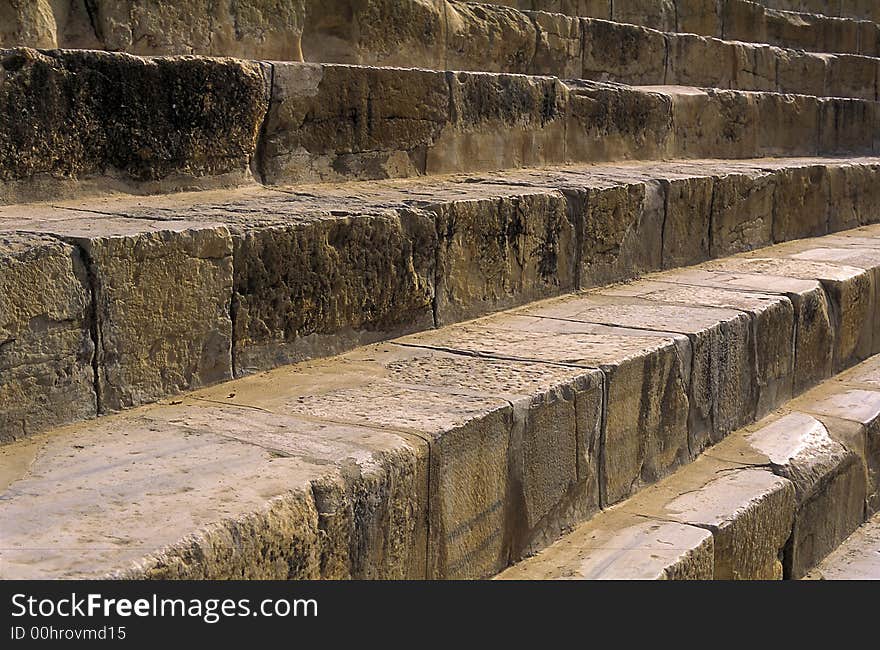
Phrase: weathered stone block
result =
(332, 122)
(559, 49)
(46, 348)
(715, 123)
(500, 121)
(742, 212)
(623, 53)
(148, 123)
(503, 252)
(489, 38)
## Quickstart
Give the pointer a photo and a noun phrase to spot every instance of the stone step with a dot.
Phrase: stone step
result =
(265, 277)
(771, 500)
(857, 559)
(858, 9)
(197, 123)
(734, 20)
(455, 452)
(493, 38)
(275, 31)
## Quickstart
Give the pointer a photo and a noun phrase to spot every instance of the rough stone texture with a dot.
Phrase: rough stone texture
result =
(513, 446)
(558, 49)
(611, 122)
(828, 479)
(857, 559)
(772, 324)
(852, 417)
(850, 294)
(335, 122)
(254, 29)
(646, 385)
(742, 213)
(132, 122)
(28, 23)
(501, 121)
(526, 247)
(814, 328)
(709, 122)
(617, 546)
(749, 512)
(319, 285)
(623, 53)
(386, 32)
(201, 491)
(46, 348)
(488, 38)
(722, 395)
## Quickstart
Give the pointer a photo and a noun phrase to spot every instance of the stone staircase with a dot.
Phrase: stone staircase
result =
(547, 290)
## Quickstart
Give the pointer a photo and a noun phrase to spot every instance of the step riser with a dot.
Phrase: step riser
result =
(210, 123)
(253, 292)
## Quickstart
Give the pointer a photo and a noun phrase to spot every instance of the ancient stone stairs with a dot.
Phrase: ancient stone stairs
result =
(454, 452)
(201, 220)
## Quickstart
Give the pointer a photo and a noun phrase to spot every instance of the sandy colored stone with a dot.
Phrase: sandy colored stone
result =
(496, 254)
(800, 73)
(379, 32)
(852, 417)
(814, 355)
(330, 122)
(845, 126)
(714, 123)
(722, 395)
(750, 513)
(489, 38)
(850, 294)
(186, 122)
(206, 491)
(618, 546)
(828, 479)
(46, 347)
(623, 53)
(742, 212)
(687, 222)
(703, 62)
(559, 45)
(857, 559)
(646, 384)
(500, 122)
(513, 446)
(28, 23)
(612, 122)
(772, 322)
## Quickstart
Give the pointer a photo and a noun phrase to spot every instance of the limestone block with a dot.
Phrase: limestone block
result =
(255, 29)
(182, 120)
(330, 122)
(800, 73)
(789, 125)
(850, 293)
(623, 53)
(656, 14)
(377, 32)
(742, 212)
(714, 123)
(814, 356)
(703, 62)
(686, 228)
(489, 38)
(750, 513)
(801, 203)
(610, 122)
(621, 231)
(500, 122)
(559, 46)
(617, 546)
(502, 252)
(772, 323)
(317, 285)
(646, 384)
(702, 17)
(851, 76)
(828, 479)
(28, 23)
(852, 416)
(744, 21)
(857, 559)
(847, 126)
(46, 348)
